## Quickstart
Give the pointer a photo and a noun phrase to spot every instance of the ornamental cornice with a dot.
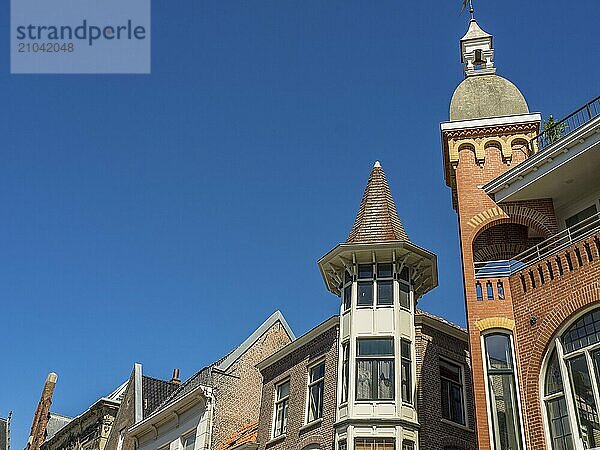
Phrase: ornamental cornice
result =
(498, 130)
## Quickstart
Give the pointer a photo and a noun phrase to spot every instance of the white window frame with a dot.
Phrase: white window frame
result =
(309, 385)
(391, 357)
(464, 390)
(556, 344)
(487, 388)
(185, 435)
(275, 403)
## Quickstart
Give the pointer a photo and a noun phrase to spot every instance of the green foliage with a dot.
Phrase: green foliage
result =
(553, 130)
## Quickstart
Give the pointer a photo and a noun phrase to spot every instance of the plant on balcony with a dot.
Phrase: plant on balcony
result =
(553, 130)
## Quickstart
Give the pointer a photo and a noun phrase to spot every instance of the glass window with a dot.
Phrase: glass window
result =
(384, 270)
(189, 441)
(365, 293)
(478, 291)
(385, 292)
(578, 222)
(375, 369)
(584, 332)
(282, 395)
(408, 445)
(374, 444)
(500, 288)
(316, 384)
(365, 271)
(406, 367)
(345, 371)
(560, 429)
(347, 297)
(490, 291)
(585, 403)
(404, 295)
(342, 445)
(452, 392)
(503, 407)
(405, 275)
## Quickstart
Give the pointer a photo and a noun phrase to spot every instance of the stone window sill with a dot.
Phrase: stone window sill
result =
(275, 440)
(457, 425)
(310, 425)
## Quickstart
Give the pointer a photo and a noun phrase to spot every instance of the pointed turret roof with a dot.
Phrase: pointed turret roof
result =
(475, 32)
(377, 219)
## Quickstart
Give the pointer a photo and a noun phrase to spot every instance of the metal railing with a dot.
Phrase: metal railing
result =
(539, 252)
(567, 125)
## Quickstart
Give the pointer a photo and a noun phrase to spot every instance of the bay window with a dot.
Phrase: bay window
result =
(375, 369)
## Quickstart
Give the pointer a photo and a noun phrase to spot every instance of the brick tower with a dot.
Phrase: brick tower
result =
(379, 274)
(527, 205)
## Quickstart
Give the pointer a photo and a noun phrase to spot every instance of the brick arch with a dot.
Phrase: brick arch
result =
(472, 146)
(518, 214)
(580, 300)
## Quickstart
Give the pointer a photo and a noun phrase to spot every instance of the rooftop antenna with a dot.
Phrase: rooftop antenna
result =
(471, 10)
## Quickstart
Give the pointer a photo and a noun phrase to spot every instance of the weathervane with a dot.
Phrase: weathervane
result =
(471, 10)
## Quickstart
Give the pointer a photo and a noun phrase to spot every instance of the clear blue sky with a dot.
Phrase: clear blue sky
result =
(161, 218)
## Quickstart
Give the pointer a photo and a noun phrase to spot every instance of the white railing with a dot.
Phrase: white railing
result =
(564, 239)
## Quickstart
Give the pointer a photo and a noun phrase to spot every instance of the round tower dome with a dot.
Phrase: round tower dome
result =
(481, 96)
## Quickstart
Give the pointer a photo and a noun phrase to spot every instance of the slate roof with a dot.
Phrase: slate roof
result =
(420, 312)
(377, 219)
(248, 433)
(55, 423)
(154, 392)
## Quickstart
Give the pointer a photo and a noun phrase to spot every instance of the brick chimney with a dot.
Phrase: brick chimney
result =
(42, 414)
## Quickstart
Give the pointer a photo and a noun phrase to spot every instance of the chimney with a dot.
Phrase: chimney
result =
(41, 416)
(175, 379)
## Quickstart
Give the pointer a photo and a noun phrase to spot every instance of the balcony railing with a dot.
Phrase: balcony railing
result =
(567, 125)
(539, 252)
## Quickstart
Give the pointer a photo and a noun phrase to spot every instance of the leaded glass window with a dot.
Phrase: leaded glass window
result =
(375, 369)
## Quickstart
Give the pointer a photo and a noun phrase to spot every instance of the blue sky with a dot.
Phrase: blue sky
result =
(161, 218)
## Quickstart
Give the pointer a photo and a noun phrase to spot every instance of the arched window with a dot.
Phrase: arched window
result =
(571, 391)
(503, 406)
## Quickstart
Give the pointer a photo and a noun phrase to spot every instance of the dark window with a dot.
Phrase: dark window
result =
(500, 288)
(404, 295)
(479, 291)
(408, 445)
(503, 406)
(405, 275)
(365, 293)
(365, 271)
(584, 332)
(452, 392)
(345, 371)
(347, 297)
(282, 395)
(406, 371)
(375, 369)
(385, 292)
(384, 270)
(316, 384)
(560, 428)
(489, 290)
(342, 445)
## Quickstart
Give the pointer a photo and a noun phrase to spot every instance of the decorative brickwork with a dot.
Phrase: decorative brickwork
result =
(542, 310)
(295, 368)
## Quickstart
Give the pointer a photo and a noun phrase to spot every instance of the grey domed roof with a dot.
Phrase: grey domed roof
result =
(482, 96)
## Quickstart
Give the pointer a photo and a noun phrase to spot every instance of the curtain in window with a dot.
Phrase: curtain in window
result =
(373, 444)
(385, 383)
(364, 387)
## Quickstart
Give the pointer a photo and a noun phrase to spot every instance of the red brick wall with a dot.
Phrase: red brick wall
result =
(539, 313)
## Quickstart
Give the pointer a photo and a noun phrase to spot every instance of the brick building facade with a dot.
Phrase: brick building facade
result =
(527, 202)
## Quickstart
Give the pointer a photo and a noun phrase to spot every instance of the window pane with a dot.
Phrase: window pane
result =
(408, 445)
(405, 350)
(376, 347)
(189, 441)
(365, 271)
(457, 411)
(499, 355)
(584, 332)
(450, 371)
(384, 270)
(385, 380)
(345, 371)
(404, 275)
(347, 277)
(315, 404)
(505, 415)
(558, 418)
(317, 372)
(406, 386)
(404, 296)
(589, 425)
(365, 293)
(347, 297)
(385, 293)
(342, 445)
(373, 444)
(283, 390)
(364, 385)
(554, 381)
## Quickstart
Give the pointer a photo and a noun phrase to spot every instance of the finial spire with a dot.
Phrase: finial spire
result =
(471, 10)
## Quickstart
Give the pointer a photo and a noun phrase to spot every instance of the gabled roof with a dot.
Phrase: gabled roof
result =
(245, 435)
(377, 219)
(203, 376)
(154, 392)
